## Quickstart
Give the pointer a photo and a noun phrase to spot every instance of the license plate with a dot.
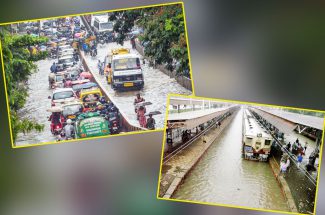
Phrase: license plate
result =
(128, 84)
(114, 127)
(72, 117)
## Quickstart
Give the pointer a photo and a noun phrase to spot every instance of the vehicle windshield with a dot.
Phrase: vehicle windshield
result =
(106, 26)
(126, 64)
(63, 95)
(94, 97)
(67, 60)
(71, 109)
(58, 78)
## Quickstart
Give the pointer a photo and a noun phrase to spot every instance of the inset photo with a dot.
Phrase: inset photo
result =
(94, 75)
(241, 155)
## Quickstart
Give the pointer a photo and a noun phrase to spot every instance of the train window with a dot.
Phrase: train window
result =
(267, 142)
(249, 139)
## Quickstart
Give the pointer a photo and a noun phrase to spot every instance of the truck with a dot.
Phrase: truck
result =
(102, 25)
(125, 71)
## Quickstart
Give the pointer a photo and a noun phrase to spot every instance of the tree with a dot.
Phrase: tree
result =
(18, 66)
(163, 34)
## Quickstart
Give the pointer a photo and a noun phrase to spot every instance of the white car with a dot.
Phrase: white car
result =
(62, 96)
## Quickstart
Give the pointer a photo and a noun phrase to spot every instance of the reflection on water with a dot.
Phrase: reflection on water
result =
(222, 176)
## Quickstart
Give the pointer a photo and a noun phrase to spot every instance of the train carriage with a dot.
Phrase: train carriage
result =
(256, 140)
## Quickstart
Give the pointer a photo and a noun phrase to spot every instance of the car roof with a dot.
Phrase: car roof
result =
(102, 19)
(60, 73)
(66, 57)
(93, 89)
(63, 90)
(71, 103)
(66, 45)
(66, 50)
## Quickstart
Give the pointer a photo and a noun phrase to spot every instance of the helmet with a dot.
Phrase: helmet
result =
(102, 100)
(69, 121)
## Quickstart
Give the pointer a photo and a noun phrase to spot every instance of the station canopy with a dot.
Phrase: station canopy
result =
(189, 101)
(286, 121)
(192, 119)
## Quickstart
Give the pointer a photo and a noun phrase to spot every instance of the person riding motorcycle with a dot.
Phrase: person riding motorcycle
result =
(87, 108)
(69, 130)
(54, 68)
(100, 108)
(56, 119)
(102, 100)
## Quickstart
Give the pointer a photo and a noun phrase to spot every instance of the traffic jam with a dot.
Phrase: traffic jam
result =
(79, 108)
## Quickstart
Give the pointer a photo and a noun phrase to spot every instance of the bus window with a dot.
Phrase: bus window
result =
(96, 24)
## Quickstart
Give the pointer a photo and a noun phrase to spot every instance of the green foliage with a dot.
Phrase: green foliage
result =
(18, 66)
(164, 34)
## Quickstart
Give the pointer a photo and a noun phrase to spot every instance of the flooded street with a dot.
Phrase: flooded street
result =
(156, 87)
(36, 105)
(222, 176)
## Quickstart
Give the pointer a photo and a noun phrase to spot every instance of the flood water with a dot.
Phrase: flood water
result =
(36, 105)
(223, 177)
(156, 87)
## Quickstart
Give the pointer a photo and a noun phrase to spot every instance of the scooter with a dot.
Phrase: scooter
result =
(56, 128)
(62, 136)
(114, 122)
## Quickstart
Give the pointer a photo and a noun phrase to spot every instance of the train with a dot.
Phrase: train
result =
(256, 140)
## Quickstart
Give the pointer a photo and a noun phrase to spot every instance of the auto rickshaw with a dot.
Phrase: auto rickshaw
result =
(91, 125)
(90, 97)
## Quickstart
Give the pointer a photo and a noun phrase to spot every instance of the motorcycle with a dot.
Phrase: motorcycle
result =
(56, 128)
(114, 122)
(62, 136)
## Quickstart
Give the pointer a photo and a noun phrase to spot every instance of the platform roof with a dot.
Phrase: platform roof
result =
(293, 118)
(190, 101)
(192, 119)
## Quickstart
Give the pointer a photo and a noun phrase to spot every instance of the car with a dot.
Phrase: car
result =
(65, 52)
(62, 96)
(58, 79)
(66, 61)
